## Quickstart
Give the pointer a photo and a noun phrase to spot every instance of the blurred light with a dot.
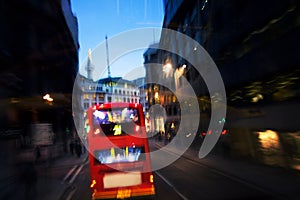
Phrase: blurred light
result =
(99, 114)
(167, 68)
(117, 130)
(97, 131)
(14, 100)
(47, 97)
(223, 120)
(269, 139)
(257, 98)
(151, 178)
(172, 125)
(137, 128)
(180, 71)
(204, 5)
(93, 183)
(224, 132)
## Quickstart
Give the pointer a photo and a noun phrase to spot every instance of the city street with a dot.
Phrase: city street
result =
(211, 178)
(163, 99)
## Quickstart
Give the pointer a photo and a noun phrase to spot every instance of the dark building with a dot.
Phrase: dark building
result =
(254, 44)
(38, 56)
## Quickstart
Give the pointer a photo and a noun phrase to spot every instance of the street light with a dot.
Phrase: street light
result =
(48, 99)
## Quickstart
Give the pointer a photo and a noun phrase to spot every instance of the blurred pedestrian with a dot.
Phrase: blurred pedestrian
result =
(78, 148)
(72, 146)
(37, 152)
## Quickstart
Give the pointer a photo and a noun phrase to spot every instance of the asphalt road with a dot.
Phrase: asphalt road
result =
(184, 179)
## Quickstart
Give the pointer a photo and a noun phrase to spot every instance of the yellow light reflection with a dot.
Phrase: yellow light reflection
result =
(269, 139)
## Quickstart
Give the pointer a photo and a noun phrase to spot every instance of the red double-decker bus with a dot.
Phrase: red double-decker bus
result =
(119, 158)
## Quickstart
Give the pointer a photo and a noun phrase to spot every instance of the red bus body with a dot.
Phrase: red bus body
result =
(117, 145)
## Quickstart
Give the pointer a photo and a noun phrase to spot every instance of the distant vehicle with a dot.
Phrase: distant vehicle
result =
(117, 145)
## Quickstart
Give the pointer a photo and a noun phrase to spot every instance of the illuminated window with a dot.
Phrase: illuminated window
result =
(86, 96)
(173, 98)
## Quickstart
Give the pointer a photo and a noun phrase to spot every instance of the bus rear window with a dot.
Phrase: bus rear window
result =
(119, 155)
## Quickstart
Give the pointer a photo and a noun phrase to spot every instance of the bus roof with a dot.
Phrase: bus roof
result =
(116, 105)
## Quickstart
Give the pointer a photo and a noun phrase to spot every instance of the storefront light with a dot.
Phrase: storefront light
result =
(167, 69)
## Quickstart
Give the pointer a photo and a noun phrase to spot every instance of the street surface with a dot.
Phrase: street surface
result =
(214, 177)
(189, 178)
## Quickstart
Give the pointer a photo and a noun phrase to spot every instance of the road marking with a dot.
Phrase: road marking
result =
(76, 174)
(69, 173)
(69, 197)
(171, 185)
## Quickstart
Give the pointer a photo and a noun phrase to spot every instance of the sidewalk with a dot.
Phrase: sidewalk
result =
(49, 184)
(283, 183)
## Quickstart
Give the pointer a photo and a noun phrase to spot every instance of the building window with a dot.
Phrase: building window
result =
(99, 88)
(173, 98)
(85, 96)
(86, 105)
(101, 97)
